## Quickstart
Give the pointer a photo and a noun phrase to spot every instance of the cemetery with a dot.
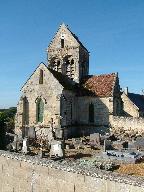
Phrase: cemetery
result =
(108, 152)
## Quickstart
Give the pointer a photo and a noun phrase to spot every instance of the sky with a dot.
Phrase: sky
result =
(112, 30)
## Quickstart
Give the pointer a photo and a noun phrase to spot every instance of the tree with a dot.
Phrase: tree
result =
(3, 118)
(7, 119)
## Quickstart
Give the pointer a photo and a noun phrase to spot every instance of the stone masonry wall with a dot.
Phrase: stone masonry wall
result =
(20, 173)
(127, 124)
(49, 92)
(129, 107)
(102, 108)
(71, 49)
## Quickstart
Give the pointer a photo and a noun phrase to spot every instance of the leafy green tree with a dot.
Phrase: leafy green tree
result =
(3, 118)
(7, 123)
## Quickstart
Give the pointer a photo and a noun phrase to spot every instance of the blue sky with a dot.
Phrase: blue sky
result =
(112, 30)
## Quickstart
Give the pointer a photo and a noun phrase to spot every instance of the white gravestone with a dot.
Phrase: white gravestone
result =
(57, 149)
(25, 146)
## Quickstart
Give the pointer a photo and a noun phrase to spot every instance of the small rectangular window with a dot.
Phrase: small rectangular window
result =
(41, 77)
(91, 113)
(62, 43)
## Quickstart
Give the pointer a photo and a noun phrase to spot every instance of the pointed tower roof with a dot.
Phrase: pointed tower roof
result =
(77, 39)
(74, 36)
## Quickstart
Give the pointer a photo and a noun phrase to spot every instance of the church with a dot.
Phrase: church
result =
(62, 95)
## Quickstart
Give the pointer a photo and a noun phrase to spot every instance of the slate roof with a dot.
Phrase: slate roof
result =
(137, 99)
(101, 85)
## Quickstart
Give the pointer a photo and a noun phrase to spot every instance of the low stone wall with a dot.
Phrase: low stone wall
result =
(19, 173)
(127, 124)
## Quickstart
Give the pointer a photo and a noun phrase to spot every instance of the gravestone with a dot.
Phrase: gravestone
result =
(57, 149)
(31, 133)
(139, 144)
(58, 133)
(15, 143)
(25, 146)
(125, 144)
(95, 139)
(107, 144)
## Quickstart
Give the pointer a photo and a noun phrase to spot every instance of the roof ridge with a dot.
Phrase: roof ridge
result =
(64, 80)
(76, 37)
(101, 85)
(33, 73)
(135, 93)
(104, 74)
(55, 34)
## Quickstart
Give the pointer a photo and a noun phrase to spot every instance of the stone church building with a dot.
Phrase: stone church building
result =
(63, 96)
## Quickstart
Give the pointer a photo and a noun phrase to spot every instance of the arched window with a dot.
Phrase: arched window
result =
(72, 68)
(72, 61)
(41, 77)
(52, 62)
(25, 111)
(58, 66)
(67, 67)
(58, 63)
(40, 110)
(91, 113)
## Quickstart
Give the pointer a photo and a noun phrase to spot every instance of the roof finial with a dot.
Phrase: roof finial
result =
(126, 90)
(63, 24)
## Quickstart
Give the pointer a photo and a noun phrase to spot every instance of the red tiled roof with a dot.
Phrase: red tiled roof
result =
(102, 85)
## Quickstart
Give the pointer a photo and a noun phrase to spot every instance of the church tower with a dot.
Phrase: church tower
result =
(67, 55)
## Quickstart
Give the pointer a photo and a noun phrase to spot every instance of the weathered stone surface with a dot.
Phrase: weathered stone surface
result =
(60, 58)
(65, 97)
(130, 125)
(129, 107)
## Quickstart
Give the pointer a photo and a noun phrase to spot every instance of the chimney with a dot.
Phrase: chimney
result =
(126, 90)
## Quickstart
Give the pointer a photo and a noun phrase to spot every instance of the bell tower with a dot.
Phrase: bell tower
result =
(67, 55)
